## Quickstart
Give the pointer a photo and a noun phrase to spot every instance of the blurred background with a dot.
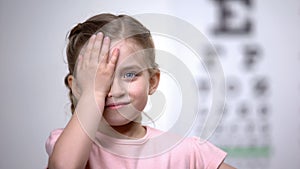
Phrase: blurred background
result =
(257, 43)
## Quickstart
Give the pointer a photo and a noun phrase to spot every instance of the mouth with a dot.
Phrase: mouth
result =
(114, 106)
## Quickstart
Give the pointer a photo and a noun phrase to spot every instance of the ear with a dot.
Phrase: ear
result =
(154, 81)
(70, 79)
(73, 86)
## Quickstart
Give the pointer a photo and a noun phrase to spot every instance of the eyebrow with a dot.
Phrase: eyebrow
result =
(130, 67)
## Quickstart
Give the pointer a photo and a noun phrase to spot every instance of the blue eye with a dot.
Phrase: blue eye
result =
(129, 75)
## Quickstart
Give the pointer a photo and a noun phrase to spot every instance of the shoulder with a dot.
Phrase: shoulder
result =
(52, 140)
(202, 146)
(198, 153)
(192, 143)
(204, 152)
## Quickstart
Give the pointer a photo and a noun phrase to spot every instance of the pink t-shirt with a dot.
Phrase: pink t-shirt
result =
(189, 153)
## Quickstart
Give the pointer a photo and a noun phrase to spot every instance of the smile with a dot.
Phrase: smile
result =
(116, 105)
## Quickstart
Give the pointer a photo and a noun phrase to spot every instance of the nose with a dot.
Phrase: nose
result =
(116, 89)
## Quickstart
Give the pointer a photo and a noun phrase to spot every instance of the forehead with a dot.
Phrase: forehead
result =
(127, 48)
(131, 54)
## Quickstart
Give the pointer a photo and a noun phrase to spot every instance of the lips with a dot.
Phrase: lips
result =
(116, 105)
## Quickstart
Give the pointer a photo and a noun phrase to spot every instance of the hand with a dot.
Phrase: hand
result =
(95, 70)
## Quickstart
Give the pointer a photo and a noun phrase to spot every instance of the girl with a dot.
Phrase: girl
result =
(112, 71)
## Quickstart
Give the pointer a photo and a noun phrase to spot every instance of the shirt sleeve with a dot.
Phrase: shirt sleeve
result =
(52, 140)
(207, 154)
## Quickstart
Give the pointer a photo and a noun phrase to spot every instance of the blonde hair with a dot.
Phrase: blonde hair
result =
(117, 27)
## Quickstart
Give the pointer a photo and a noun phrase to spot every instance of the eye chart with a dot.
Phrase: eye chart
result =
(258, 45)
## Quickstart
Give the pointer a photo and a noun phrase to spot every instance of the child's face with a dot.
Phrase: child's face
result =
(131, 85)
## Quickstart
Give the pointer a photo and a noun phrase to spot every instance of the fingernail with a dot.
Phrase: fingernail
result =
(93, 36)
(106, 38)
(99, 33)
(116, 50)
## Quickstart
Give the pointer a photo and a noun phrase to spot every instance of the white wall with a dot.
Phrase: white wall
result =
(34, 99)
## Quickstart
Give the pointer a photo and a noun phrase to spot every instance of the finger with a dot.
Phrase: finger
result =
(89, 47)
(114, 57)
(96, 48)
(104, 51)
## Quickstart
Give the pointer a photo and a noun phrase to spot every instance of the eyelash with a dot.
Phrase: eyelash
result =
(131, 73)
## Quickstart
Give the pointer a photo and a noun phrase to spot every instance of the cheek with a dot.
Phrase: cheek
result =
(138, 93)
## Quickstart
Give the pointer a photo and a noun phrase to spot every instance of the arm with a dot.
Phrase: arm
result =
(74, 144)
(225, 166)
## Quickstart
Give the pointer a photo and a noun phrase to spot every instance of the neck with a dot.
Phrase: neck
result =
(132, 130)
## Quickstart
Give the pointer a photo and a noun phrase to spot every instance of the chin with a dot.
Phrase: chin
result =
(114, 122)
(114, 118)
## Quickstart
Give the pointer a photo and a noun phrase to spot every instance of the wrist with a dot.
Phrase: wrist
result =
(93, 98)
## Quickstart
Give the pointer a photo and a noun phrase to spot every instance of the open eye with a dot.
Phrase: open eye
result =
(129, 75)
